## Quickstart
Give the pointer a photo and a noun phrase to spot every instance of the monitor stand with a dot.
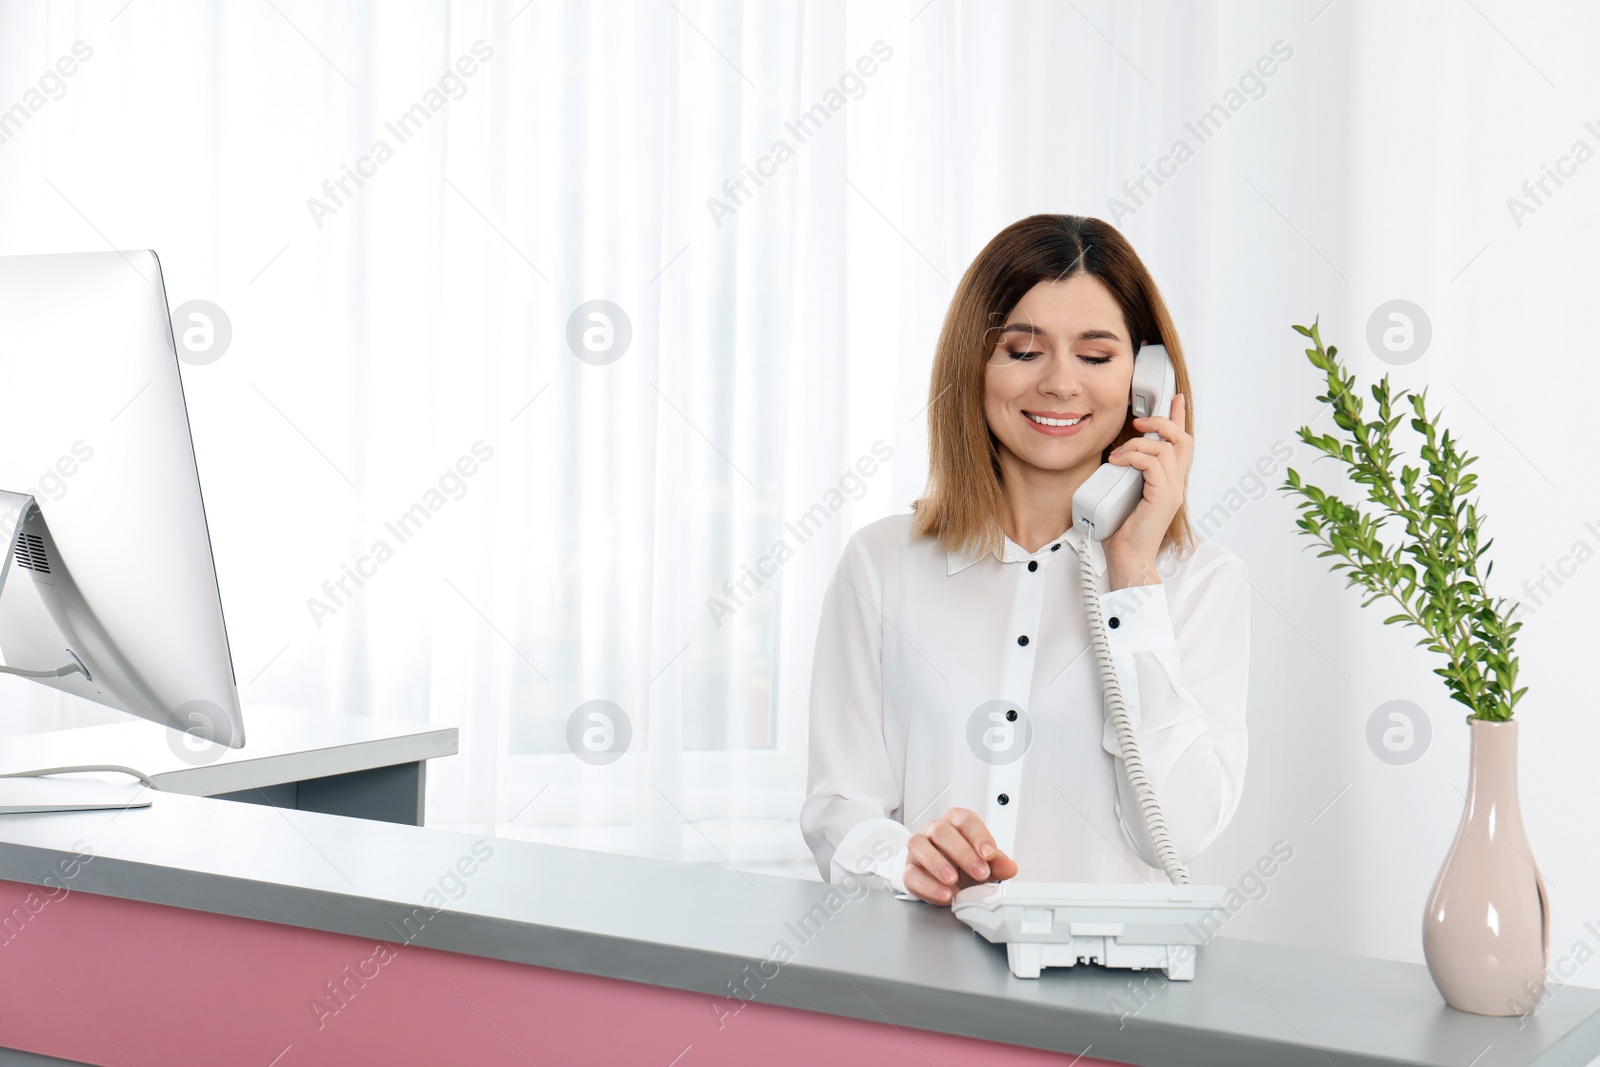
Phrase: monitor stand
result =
(28, 792)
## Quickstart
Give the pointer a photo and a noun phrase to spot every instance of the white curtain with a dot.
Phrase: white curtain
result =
(405, 211)
(1337, 156)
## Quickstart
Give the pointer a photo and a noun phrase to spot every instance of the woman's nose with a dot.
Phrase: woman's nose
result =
(1060, 377)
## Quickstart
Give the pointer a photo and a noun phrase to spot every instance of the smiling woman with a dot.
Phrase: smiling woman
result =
(952, 639)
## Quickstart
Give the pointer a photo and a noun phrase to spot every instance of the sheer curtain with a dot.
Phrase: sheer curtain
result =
(410, 231)
(559, 246)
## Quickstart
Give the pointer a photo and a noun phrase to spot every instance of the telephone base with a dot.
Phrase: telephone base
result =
(1063, 924)
(1028, 958)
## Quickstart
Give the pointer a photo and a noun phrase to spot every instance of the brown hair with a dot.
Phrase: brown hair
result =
(963, 506)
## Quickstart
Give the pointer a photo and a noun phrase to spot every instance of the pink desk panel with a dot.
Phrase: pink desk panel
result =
(116, 983)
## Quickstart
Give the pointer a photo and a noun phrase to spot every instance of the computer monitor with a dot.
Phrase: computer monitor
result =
(108, 590)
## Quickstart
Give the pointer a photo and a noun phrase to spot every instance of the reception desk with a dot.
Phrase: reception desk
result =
(198, 931)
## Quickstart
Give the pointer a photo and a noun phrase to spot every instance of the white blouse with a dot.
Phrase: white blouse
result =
(939, 678)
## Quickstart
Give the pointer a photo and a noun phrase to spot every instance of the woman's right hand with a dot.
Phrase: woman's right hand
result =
(952, 853)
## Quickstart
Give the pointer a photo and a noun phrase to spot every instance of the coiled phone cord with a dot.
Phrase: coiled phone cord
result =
(1154, 820)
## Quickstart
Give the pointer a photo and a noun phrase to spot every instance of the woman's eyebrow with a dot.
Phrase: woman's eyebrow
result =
(1086, 335)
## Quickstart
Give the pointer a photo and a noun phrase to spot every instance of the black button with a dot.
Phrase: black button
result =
(1022, 640)
(1002, 798)
(1056, 547)
(1114, 622)
(1011, 715)
(1033, 564)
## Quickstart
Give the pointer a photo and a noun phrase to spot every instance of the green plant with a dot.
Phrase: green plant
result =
(1433, 573)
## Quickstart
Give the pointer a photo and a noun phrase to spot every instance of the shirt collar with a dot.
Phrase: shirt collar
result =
(957, 560)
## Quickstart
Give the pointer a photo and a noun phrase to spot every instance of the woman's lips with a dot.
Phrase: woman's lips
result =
(1058, 431)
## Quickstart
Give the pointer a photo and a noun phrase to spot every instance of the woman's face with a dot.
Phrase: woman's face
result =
(1062, 354)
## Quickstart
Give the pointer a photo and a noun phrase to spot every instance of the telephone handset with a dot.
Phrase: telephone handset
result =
(1109, 495)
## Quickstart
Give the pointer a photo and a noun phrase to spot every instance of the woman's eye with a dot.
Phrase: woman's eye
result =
(1029, 356)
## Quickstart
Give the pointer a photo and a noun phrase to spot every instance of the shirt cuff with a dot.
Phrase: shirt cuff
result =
(862, 852)
(1137, 618)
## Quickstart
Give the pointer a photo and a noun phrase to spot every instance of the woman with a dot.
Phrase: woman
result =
(957, 731)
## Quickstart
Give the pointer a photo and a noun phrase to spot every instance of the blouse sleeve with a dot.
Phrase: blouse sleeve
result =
(849, 817)
(1183, 668)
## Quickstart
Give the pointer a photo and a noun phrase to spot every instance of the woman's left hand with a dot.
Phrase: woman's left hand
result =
(1131, 551)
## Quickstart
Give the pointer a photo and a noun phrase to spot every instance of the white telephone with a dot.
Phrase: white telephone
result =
(1062, 924)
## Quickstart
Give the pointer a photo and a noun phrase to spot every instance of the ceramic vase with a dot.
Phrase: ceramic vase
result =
(1486, 932)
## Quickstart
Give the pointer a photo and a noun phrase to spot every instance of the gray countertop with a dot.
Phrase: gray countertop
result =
(869, 956)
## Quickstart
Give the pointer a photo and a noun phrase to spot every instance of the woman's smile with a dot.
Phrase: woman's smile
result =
(1054, 424)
